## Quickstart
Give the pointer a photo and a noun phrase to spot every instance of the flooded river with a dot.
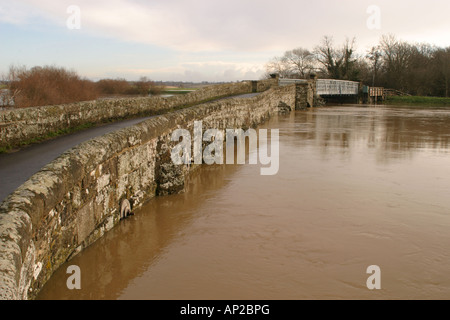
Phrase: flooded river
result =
(357, 186)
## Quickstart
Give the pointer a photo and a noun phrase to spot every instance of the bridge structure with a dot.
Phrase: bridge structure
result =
(331, 90)
(60, 204)
(79, 195)
(342, 91)
(328, 87)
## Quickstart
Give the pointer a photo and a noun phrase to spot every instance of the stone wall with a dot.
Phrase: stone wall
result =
(306, 95)
(264, 85)
(23, 125)
(74, 200)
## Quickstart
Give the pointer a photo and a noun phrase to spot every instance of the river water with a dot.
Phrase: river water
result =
(357, 186)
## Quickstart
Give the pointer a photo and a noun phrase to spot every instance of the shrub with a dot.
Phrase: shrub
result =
(113, 86)
(41, 86)
(122, 87)
(145, 87)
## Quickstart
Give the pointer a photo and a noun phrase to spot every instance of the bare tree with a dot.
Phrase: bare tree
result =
(419, 69)
(420, 75)
(349, 71)
(442, 69)
(396, 56)
(337, 63)
(374, 56)
(296, 63)
(326, 55)
(279, 66)
(300, 62)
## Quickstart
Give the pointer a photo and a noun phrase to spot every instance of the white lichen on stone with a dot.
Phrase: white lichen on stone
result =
(52, 213)
(26, 272)
(103, 181)
(37, 270)
(109, 223)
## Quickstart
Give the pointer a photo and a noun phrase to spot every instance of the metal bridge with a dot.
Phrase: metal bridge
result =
(328, 87)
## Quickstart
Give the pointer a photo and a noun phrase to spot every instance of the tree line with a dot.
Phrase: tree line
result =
(49, 85)
(416, 68)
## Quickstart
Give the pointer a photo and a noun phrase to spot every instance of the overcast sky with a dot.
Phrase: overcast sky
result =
(200, 40)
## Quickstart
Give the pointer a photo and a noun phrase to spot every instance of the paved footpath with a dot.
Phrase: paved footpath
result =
(16, 168)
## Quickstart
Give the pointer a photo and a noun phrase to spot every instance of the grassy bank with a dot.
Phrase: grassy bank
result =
(177, 91)
(414, 100)
(48, 136)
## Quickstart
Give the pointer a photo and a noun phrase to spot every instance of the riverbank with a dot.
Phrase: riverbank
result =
(416, 101)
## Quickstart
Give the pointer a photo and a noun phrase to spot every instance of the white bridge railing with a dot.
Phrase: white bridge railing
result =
(337, 87)
(328, 86)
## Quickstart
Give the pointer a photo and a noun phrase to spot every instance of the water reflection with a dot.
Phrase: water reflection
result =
(388, 131)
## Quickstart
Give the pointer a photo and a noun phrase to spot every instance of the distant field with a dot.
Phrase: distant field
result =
(413, 100)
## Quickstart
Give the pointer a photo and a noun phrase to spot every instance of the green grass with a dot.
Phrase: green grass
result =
(181, 89)
(415, 100)
(178, 91)
(48, 136)
(55, 134)
(5, 149)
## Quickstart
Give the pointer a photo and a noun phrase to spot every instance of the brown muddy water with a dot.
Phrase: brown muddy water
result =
(357, 186)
